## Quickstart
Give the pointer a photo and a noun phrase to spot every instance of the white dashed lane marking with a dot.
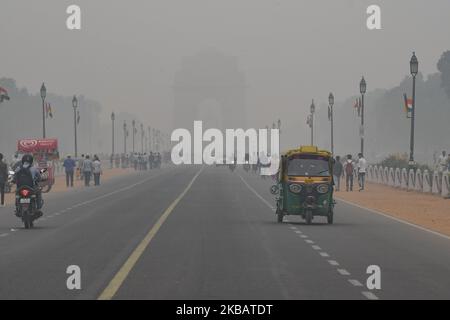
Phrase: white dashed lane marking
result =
(333, 262)
(367, 294)
(4, 235)
(343, 272)
(356, 283)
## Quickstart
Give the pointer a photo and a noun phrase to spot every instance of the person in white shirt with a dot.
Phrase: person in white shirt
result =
(97, 170)
(442, 162)
(362, 168)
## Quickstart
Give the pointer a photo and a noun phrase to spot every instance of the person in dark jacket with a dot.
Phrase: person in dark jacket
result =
(3, 180)
(338, 172)
(69, 166)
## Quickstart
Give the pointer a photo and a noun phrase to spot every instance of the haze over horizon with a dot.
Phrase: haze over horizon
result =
(127, 53)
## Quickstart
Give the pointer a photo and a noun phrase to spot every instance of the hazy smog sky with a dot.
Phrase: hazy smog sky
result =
(291, 51)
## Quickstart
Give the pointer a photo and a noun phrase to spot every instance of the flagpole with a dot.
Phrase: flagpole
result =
(43, 95)
(75, 120)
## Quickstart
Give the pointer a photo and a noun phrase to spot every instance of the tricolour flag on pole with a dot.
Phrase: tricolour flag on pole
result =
(408, 105)
(358, 105)
(48, 109)
(3, 94)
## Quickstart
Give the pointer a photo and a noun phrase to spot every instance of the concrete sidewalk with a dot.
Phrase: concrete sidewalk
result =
(425, 210)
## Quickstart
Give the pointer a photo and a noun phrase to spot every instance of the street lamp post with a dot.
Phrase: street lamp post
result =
(134, 131)
(125, 135)
(362, 90)
(414, 68)
(43, 95)
(150, 146)
(142, 138)
(330, 116)
(75, 106)
(313, 110)
(113, 119)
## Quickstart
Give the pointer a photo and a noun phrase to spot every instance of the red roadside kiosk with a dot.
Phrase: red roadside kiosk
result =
(45, 153)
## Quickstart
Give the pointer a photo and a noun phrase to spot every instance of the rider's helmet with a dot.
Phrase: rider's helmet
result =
(27, 158)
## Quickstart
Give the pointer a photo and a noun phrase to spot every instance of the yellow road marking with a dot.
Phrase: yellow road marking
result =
(124, 271)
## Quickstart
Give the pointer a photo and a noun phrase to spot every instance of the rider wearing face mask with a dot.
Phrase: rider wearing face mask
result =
(28, 175)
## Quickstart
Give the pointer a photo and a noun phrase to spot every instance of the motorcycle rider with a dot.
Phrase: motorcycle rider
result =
(28, 175)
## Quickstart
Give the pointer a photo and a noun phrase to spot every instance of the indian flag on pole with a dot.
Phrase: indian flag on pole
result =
(49, 111)
(408, 105)
(3, 94)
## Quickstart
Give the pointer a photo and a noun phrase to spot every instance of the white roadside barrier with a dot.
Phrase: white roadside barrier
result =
(398, 178)
(391, 180)
(386, 175)
(411, 180)
(426, 182)
(445, 192)
(370, 174)
(436, 187)
(404, 184)
(418, 181)
(380, 175)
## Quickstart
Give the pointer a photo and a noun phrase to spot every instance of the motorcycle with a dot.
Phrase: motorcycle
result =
(26, 201)
(9, 184)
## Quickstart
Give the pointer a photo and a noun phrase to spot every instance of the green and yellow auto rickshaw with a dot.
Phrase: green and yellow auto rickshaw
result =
(305, 184)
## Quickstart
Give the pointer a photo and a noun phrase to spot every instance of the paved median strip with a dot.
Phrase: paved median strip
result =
(125, 270)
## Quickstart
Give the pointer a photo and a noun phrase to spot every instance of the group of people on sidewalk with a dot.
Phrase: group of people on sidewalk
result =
(86, 168)
(347, 169)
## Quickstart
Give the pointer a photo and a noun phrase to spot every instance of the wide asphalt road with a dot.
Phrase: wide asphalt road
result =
(207, 233)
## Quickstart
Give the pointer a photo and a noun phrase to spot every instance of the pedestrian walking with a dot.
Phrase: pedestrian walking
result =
(97, 170)
(338, 171)
(69, 166)
(87, 169)
(80, 167)
(448, 163)
(3, 180)
(442, 164)
(362, 168)
(349, 169)
(151, 160)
